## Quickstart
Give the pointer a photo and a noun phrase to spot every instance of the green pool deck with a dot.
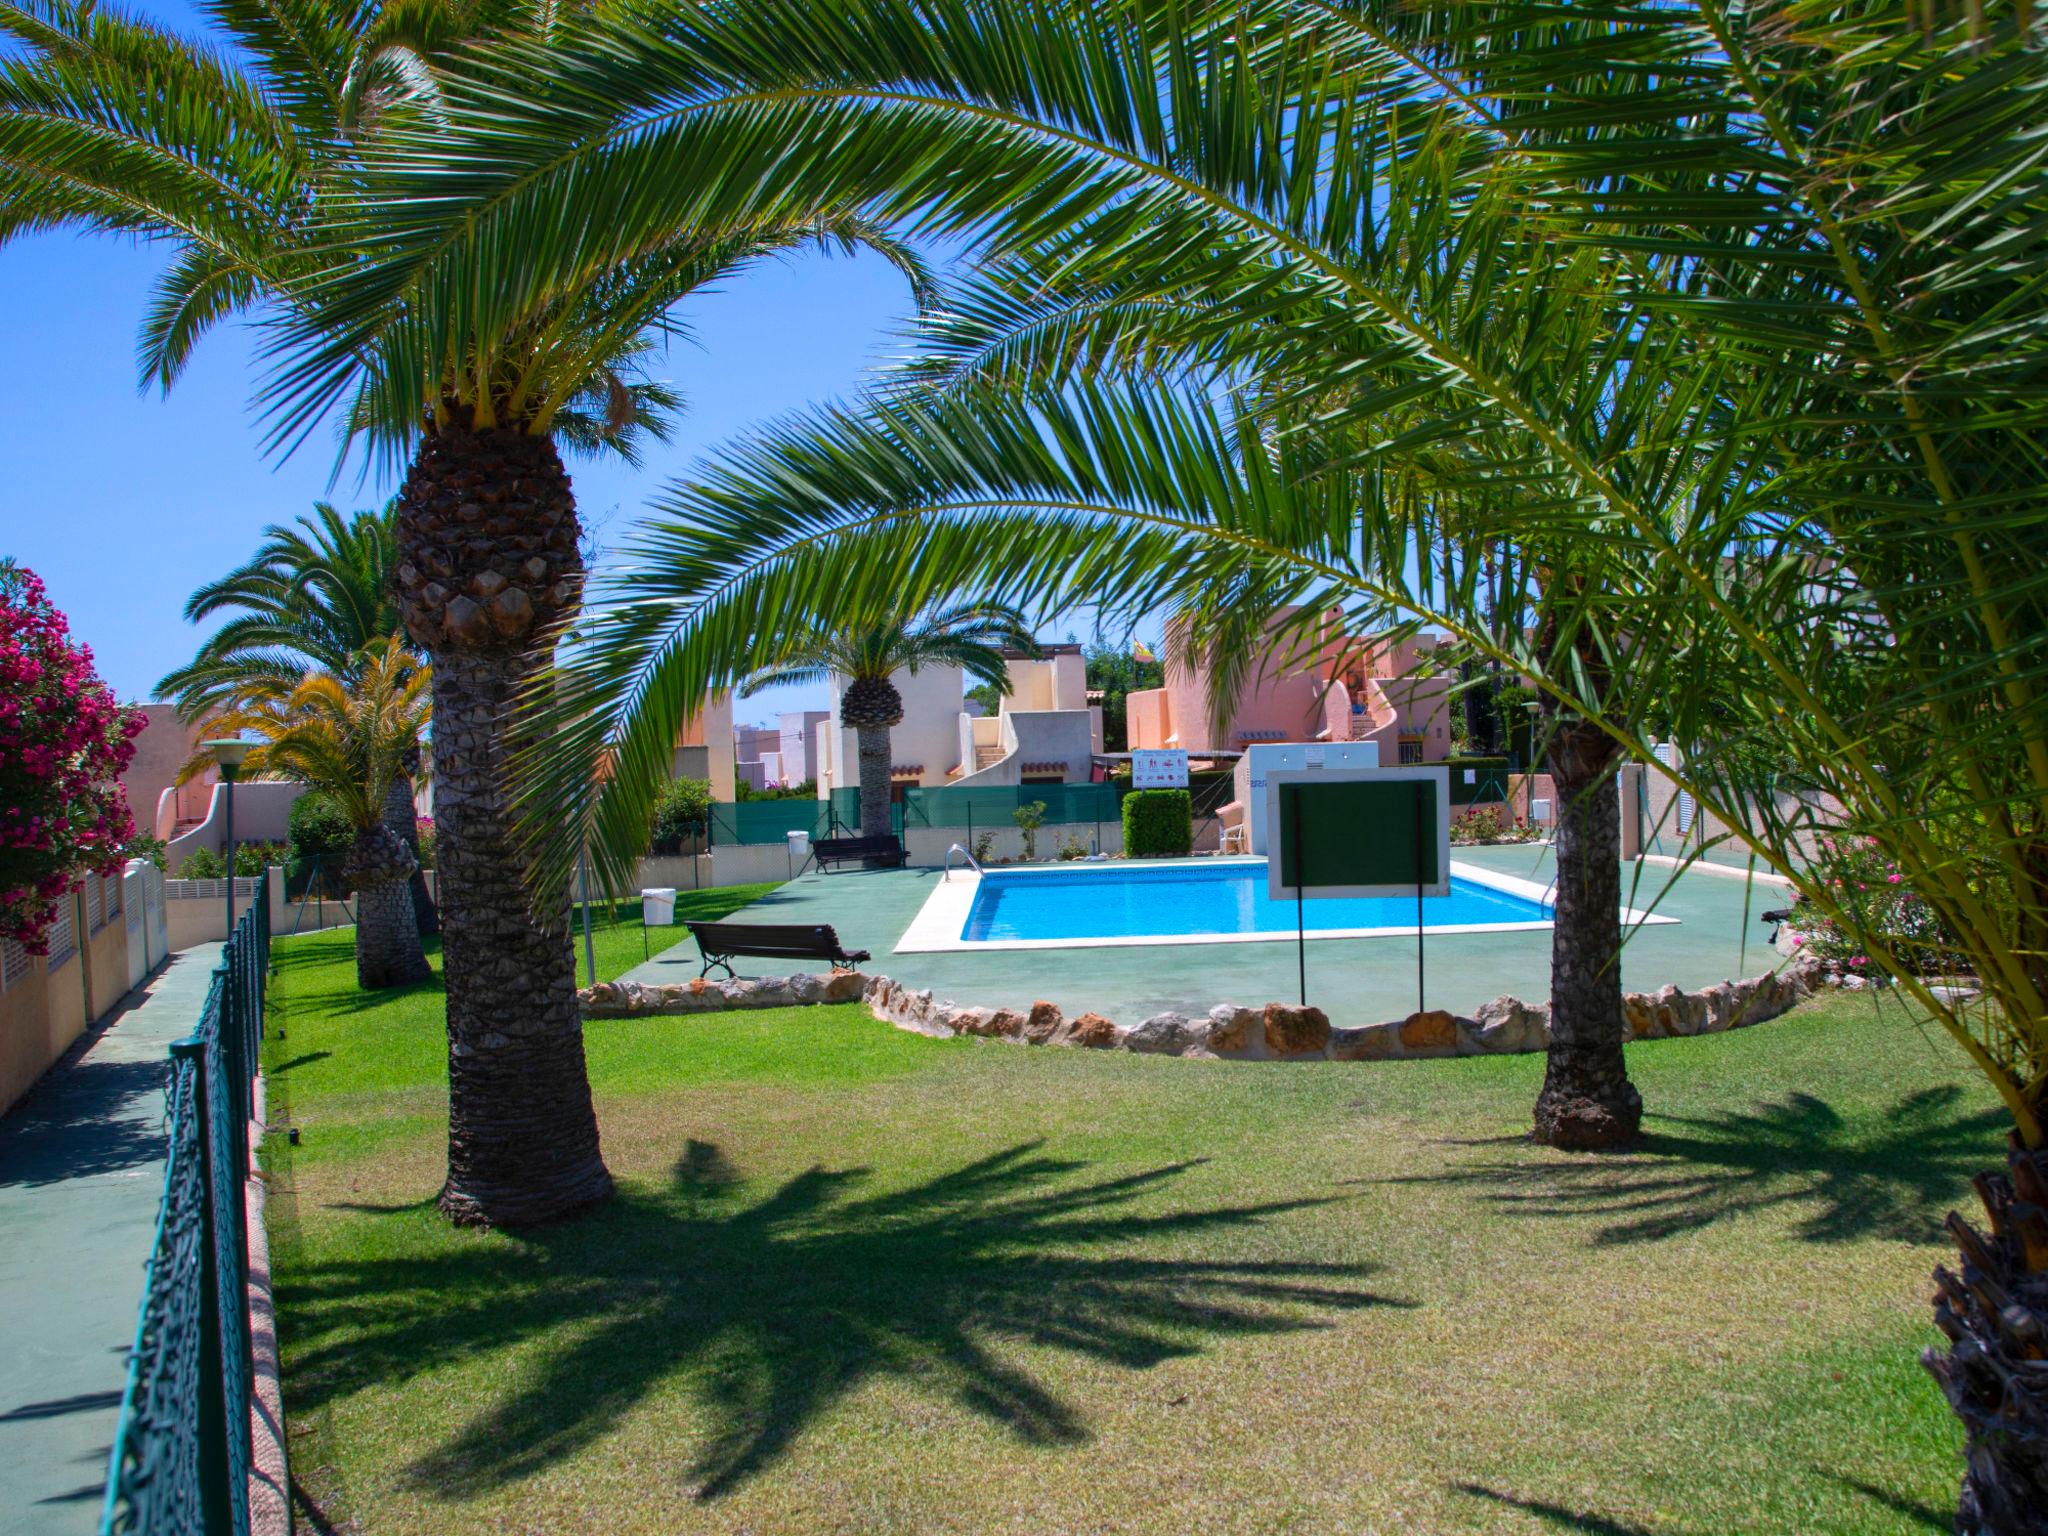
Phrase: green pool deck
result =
(81, 1176)
(1355, 981)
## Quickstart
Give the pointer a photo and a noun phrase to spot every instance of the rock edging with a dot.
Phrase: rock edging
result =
(1279, 1032)
(633, 1000)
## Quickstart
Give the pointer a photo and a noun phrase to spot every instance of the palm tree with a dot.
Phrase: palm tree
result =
(969, 636)
(1278, 296)
(251, 165)
(350, 738)
(316, 597)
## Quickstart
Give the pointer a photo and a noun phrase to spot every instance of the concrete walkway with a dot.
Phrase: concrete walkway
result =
(81, 1176)
(1355, 981)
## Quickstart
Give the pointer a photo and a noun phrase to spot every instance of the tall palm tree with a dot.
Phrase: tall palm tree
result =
(970, 636)
(1629, 286)
(316, 597)
(250, 164)
(350, 738)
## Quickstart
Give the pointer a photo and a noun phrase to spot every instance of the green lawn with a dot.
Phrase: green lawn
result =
(861, 1281)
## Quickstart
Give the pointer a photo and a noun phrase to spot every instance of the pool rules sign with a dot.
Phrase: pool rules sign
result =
(1357, 832)
(1159, 770)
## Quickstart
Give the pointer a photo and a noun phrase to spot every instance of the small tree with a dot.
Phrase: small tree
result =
(350, 743)
(1029, 819)
(63, 744)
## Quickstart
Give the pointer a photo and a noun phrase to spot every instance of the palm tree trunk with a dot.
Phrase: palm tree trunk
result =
(388, 951)
(488, 571)
(1587, 1100)
(875, 777)
(402, 817)
(1995, 1314)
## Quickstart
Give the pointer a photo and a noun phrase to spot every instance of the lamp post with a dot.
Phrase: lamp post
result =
(1534, 707)
(228, 754)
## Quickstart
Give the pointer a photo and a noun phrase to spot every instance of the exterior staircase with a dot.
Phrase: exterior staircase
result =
(986, 755)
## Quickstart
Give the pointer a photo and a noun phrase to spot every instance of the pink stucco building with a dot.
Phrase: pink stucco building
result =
(1336, 688)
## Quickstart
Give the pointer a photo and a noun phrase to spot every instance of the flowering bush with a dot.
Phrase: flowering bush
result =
(428, 845)
(1490, 824)
(1876, 905)
(63, 744)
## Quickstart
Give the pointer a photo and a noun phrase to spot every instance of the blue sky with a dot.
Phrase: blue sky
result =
(124, 502)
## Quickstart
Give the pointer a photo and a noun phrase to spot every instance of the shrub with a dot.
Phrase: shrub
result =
(1071, 847)
(1875, 898)
(320, 840)
(984, 847)
(429, 844)
(252, 859)
(742, 790)
(1029, 819)
(145, 845)
(63, 744)
(202, 864)
(1490, 824)
(681, 811)
(1158, 822)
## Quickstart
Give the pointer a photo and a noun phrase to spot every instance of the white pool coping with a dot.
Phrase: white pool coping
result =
(942, 919)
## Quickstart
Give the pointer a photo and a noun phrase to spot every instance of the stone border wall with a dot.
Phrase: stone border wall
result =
(1276, 1032)
(631, 1000)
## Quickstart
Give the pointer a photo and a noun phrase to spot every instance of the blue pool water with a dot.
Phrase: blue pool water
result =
(1120, 901)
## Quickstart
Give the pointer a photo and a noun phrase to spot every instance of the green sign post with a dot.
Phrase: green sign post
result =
(1358, 832)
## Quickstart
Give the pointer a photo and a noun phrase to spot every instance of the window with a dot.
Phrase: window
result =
(1411, 752)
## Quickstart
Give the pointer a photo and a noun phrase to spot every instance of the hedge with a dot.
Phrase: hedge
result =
(1158, 821)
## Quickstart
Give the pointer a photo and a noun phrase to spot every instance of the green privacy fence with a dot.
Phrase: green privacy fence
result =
(771, 821)
(1489, 781)
(181, 1454)
(995, 805)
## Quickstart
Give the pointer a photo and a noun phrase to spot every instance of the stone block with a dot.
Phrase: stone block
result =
(1367, 1042)
(1097, 1033)
(1430, 1033)
(1236, 1031)
(1169, 1034)
(1296, 1031)
(1044, 1025)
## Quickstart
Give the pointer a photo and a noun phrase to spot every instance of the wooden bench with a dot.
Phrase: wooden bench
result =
(718, 943)
(884, 852)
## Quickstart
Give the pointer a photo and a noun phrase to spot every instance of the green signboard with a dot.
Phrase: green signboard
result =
(1358, 832)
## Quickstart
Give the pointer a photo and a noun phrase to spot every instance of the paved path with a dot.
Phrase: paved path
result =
(81, 1175)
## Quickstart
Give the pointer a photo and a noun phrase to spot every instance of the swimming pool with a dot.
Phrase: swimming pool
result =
(1210, 900)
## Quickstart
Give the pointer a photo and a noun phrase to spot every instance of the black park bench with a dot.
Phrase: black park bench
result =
(884, 852)
(719, 943)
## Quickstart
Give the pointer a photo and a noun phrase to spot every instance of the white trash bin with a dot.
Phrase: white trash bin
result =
(658, 907)
(1539, 812)
(799, 850)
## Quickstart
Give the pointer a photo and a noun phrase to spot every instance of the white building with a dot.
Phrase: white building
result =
(1044, 731)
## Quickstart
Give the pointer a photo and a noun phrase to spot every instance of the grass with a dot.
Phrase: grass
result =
(857, 1280)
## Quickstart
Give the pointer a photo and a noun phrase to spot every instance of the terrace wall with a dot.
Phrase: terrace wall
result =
(46, 1002)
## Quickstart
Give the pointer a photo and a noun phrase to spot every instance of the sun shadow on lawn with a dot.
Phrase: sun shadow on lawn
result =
(770, 1311)
(1889, 1176)
(1555, 1514)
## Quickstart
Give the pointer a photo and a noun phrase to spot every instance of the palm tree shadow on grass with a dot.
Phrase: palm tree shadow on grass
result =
(1888, 1176)
(769, 1312)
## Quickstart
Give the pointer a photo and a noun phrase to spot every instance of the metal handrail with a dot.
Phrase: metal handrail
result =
(970, 858)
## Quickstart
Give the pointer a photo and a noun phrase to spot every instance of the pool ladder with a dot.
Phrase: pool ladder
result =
(970, 858)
